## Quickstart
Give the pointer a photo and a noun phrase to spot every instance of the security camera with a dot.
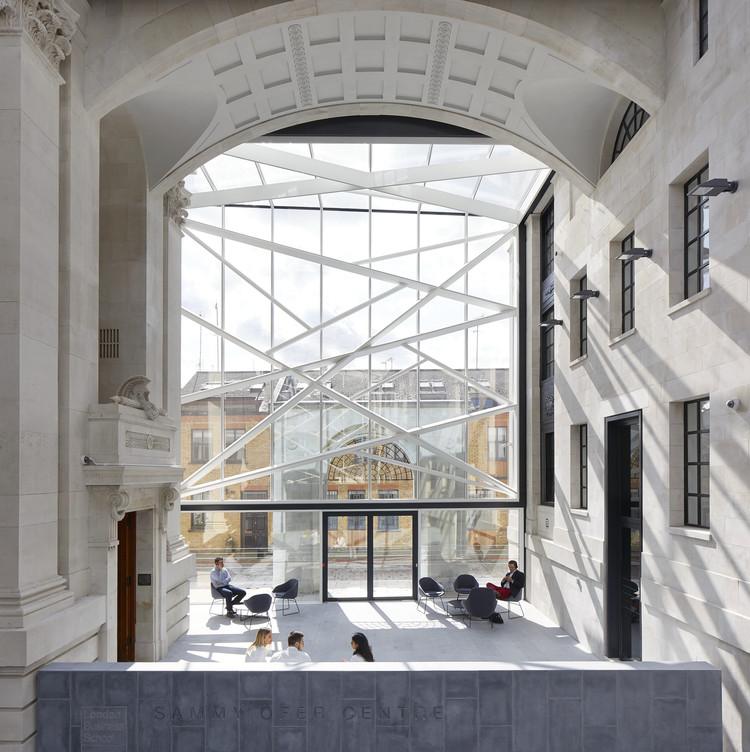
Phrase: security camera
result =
(734, 403)
(86, 460)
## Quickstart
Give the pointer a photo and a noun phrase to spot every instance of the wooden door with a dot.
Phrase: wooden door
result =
(126, 588)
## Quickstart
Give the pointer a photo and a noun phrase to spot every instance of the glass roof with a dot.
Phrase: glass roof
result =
(487, 173)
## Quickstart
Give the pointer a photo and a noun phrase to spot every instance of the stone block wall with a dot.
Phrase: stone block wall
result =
(523, 707)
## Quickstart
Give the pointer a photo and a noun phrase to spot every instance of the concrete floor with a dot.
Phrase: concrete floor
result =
(396, 630)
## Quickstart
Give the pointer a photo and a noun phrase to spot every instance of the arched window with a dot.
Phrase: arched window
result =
(352, 468)
(631, 123)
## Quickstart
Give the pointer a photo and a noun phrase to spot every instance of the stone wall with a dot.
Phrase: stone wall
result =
(545, 707)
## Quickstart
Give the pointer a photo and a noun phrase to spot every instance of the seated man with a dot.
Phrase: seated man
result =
(220, 579)
(293, 653)
(512, 584)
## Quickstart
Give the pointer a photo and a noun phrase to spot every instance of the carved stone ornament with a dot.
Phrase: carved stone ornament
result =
(176, 199)
(118, 503)
(168, 496)
(134, 393)
(49, 23)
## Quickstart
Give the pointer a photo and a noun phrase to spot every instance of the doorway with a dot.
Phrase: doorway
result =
(368, 556)
(126, 588)
(624, 536)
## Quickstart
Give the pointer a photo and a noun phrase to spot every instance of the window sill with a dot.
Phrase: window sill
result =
(698, 533)
(620, 337)
(580, 512)
(579, 360)
(683, 304)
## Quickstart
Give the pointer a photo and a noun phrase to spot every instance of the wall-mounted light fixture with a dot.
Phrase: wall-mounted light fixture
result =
(584, 294)
(549, 323)
(634, 253)
(713, 187)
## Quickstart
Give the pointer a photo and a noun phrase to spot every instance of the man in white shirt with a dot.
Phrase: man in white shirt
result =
(294, 653)
(220, 580)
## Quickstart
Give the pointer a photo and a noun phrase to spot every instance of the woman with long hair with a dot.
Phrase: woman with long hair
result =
(362, 649)
(261, 647)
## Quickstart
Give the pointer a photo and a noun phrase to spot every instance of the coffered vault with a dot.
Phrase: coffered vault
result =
(519, 80)
(400, 255)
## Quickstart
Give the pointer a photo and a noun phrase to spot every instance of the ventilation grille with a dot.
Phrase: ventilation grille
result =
(109, 343)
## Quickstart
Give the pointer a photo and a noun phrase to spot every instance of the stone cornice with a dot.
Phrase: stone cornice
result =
(50, 24)
(130, 476)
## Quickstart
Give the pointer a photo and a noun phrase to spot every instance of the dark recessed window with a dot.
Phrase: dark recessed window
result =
(697, 461)
(548, 468)
(696, 236)
(630, 124)
(387, 522)
(583, 314)
(702, 27)
(358, 523)
(548, 240)
(497, 443)
(356, 494)
(388, 493)
(230, 436)
(547, 342)
(197, 521)
(627, 288)
(200, 444)
(583, 466)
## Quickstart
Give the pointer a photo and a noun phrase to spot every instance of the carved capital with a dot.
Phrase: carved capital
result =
(118, 503)
(49, 23)
(176, 199)
(134, 393)
(168, 496)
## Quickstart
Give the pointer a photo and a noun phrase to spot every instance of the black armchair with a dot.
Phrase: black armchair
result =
(429, 588)
(257, 605)
(480, 603)
(285, 593)
(464, 584)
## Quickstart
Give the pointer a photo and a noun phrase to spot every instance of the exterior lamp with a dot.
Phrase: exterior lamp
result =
(550, 323)
(713, 187)
(584, 294)
(634, 253)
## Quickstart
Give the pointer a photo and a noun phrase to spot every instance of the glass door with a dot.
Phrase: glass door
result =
(369, 556)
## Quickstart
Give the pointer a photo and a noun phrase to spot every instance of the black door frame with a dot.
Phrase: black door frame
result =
(370, 568)
(614, 451)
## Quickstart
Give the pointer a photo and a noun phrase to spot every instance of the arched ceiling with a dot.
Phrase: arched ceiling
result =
(513, 86)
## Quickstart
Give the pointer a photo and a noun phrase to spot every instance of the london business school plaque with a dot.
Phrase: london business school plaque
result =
(104, 728)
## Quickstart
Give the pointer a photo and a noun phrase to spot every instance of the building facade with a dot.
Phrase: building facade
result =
(634, 449)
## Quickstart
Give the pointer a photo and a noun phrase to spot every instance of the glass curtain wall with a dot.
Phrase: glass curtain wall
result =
(349, 335)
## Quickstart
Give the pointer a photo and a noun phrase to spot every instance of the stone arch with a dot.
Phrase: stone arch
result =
(612, 53)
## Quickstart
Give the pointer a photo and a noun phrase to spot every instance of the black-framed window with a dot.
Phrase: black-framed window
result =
(548, 240)
(583, 323)
(583, 466)
(697, 461)
(547, 344)
(696, 236)
(497, 443)
(357, 522)
(702, 27)
(200, 444)
(548, 468)
(230, 436)
(630, 124)
(387, 522)
(627, 286)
